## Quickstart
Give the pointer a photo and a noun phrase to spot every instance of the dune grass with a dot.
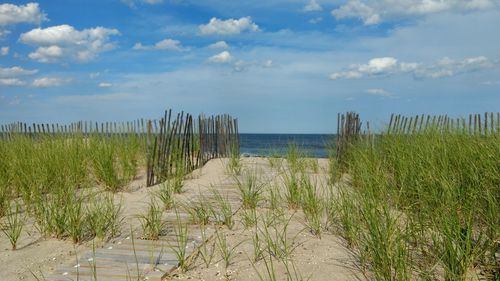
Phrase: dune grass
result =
(423, 206)
(14, 226)
(152, 223)
(50, 176)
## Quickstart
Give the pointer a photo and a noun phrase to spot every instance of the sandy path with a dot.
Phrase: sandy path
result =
(314, 258)
(320, 259)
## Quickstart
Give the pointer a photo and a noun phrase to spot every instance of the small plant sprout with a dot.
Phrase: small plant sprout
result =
(207, 248)
(292, 191)
(275, 160)
(165, 195)
(258, 252)
(274, 197)
(76, 219)
(181, 242)
(224, 212)
(312, 205)
(234, 163)
(249, 217)
(14, 226)
(227, 252)
(270, 273)
(250, 189)
(103, 217)
(199, 211)
(277, 241)
(152, 222)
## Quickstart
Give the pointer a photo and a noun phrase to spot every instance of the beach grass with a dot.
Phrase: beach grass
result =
(51, 175)
(423, 205)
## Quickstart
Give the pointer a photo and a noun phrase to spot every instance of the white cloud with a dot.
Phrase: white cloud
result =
(267, 63)
(379, 92)
(4, 33)
(238, 65)
(346, 75)
(228, 27)
(94, 75)
(355, 8)
(16, 71)
(375, 11)
(48, 54)
(312, 6)
(445, 67)
(11, 82)
(219, 45)
(4, 51)
(378, 65)
(64, 42)
(132, 3)
(12, 14)
(375, 66)
(105, 85)
(223, 58)
(316, 20)
(45, 82)
(166, 44)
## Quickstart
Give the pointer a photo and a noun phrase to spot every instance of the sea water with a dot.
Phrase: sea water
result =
(314, 145)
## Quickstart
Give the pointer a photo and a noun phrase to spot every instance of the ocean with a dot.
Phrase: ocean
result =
(314, 145)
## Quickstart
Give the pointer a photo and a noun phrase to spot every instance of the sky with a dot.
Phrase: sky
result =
(278, 66)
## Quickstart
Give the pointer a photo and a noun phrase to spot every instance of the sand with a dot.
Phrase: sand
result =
(314, 258)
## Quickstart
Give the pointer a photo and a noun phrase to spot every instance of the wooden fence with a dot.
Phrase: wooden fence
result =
(482, 124)
(181, 146)
(174, 144)
(103, 129)
(348, 132)
(349, 129)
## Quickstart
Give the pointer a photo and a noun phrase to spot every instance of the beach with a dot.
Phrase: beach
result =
(312, 256)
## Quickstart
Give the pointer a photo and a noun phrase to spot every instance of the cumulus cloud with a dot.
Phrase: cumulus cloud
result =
(16, 71)
(11, 14)
(375, 11)
(64, 42)
(312, 6)
(166, 44)
(223, 58)
(228, 27)
(105, 85)
(46, 82)
(4, 51)
(376, 66)
(219, 45)
(445, 67)
(11, 82)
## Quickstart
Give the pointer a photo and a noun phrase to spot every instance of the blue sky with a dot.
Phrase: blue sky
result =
(279, 66)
